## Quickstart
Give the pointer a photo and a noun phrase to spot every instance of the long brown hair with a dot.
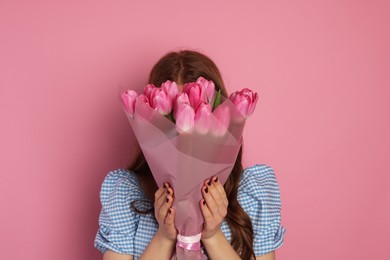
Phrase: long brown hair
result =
(187, 66)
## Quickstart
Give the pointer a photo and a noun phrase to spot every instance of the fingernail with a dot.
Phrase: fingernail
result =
(204, 202)
(168, 192)
(167, 200)
(169, 211)
(165, 185)
(209, 183)
(206, 190)
(216, 179)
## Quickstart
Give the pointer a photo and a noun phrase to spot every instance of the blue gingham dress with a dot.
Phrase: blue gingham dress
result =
(125, 231)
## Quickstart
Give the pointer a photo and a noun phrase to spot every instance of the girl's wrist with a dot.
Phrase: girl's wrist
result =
(213, 239)
(161, 247)
(218, 247)
(163, 239)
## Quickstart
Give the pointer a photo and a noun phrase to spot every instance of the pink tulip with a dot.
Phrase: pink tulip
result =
(222, 114)
(202, 117)
(143, 107)
(170, 87)
(208, 88)
(128, 98)
(143, 99)
(160, 101)
(185, 117)
(180, 99)
(195, 93)
(245, 101)
(149, 89)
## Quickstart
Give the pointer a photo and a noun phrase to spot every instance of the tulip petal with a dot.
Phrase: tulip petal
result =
(128, 98)
(162, 105)
(208, 89)
(143, 98)
(253, 105)
(171, 89)
(148, 90)
(245, 101)
(181, 98)
(160, 101)
(202, 117)
(242, 106)
(185, 118)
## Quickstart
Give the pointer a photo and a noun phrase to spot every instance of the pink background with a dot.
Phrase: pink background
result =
(322, 122)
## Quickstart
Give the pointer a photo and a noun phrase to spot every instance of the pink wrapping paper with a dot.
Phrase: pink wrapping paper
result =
(185, 160)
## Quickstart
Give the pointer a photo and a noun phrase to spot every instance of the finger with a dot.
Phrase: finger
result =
(207, 216)
(169, 220)
(159, 192)
(214, 192)
(170, 191)
(211, 204)
(162, 213)
(161, 200)
(221, 206)
(218, 185)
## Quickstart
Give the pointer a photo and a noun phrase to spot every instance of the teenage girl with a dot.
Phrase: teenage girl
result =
(241, 218)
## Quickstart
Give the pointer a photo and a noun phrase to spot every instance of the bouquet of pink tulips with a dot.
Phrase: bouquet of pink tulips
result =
(187, 137)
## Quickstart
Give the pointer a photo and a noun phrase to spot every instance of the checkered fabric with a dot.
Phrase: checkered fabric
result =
(125, 231)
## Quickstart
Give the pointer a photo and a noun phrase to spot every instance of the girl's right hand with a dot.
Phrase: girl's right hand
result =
(165, 215)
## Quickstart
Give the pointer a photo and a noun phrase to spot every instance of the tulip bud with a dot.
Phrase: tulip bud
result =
(245, 101)
(181, 98)
(170, 87)
(128, 98)
(143, 99)
(148, 90)
(208, 89)
(195, 94)
(185, 117)
(202, 117)
(160, 101)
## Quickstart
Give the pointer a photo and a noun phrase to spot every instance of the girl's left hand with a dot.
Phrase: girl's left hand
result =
(213, 206)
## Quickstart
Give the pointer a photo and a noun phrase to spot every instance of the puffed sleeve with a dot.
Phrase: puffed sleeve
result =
(260, 197)
(118, 221)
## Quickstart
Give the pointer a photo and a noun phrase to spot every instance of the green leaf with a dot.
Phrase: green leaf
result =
(217, 100)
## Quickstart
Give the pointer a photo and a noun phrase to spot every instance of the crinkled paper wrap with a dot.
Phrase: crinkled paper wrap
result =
(186, 160)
